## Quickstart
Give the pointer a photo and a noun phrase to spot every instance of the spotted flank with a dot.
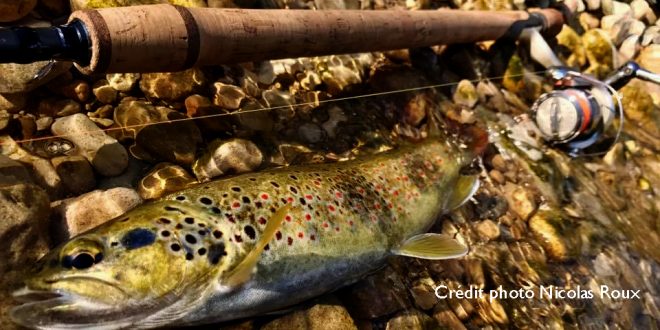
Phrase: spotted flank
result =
(250, 244)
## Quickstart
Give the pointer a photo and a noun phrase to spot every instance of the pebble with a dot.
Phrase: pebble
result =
(13, 10)
(13, 103)
(466, 94)
(253, 117)
(488, 229)
(172, 86)
(642, 11)
(105, 154)
(593, 5)
(329, 315)
(521, 201)
(415, 109)
(446, 317)
(227, 96)
(491, 310)
(76, 173)
(552, 242)
(12, 172)
(78, 90)
(311, 133)
(54, 107)
(232, 156)
(19, 78)
(423, 293)
(163, 179)
(104, 92)
(497, 176)
(76, 215)
(411, 320)
(123, 82)
(499, 163)
(380, 294)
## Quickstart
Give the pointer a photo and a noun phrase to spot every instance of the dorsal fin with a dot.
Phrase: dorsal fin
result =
(243, 272)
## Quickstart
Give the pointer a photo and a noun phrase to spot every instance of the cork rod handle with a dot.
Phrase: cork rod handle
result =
(169, 38)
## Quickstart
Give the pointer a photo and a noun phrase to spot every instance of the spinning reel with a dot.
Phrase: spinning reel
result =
(577, 116)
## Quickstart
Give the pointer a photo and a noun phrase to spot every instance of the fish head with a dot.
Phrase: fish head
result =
(150, 264)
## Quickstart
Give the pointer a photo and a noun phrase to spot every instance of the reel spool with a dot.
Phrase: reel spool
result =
(578, 114)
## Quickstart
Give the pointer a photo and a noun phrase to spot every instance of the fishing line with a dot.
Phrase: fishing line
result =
(239, 112)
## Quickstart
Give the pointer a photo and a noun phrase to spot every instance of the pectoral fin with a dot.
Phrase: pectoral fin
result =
(432, 247)
(466, 187)
(243, 272)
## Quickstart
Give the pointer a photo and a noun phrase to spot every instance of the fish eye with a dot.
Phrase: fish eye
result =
(82, 254)
(82, 261)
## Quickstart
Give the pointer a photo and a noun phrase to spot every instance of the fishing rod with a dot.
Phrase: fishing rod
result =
(162, 38)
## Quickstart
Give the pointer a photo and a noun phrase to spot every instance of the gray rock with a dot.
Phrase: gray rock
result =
(24, 211)
(225, 157)
(17, 78)
(311, 133)
(76, 215)
(107, 156)
(76, 173)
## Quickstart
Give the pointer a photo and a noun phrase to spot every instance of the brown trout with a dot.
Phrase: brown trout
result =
(250, 244)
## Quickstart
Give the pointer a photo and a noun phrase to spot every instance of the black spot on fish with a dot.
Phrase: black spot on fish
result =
(173, 209)
(278, 235)
(225, 195)
(258, 205)
(238, 238)
(138, 238)
(165, 233)
(293, 177)
(216, 251)
(175, 247)
(217, 234)
(189, 220)
(98, 257)
(201, 251)
(113, 244)
(302, 201)
(191, 239)
(246, 199)
(236, 189)
(253, 179)
(165, 221)
(201, 232)
(205, 201)
(201, 225)
(179, 226)
(275, 184)
(250, 232)
(267, 247)
(189, 256)
(181, 198)
(293, 189)
(67, 262)
(216, 210)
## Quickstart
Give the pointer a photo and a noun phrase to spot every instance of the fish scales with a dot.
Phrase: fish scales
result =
(341, 222)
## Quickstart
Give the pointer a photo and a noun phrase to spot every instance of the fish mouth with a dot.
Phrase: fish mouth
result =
(43, 309)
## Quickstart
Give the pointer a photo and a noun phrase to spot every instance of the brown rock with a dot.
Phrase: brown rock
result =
(488, 230)
(411, 320)
(76, 173)
(13, 103)
(78, 90)
(227, 96)
(377, 295)
(172, 86)
(324, 316)
(13, 10)
(227, 157)
(163, 179)
(521, 201)
(104, 92)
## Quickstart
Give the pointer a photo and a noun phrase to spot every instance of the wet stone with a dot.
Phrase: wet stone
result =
(163, 179)
(12, 172)
(423, 293)
(105, 154)
(76, 215)
(104, 92)
(328, 315)
(76, 173)
(227, 96)
(53, 107)
(227, 157)
(488, 230)
(543, 225)
(13, 10)
(13, 103)
(123, 82)
(172, 86)
(520, 200)
(377, 295)
(311, 133)
(23, 239)
(412, 320)
(466, 94)
(17, 78)
(77, 90)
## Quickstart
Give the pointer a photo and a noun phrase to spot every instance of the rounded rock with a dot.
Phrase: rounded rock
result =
(163, 179)
(123, 82)
(227, 96)
(13, 10)
(104, 92)
(227, 157)
(76, 173)
(107, 156)
(172, 86)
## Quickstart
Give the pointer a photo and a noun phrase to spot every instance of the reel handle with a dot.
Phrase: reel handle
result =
(627, 72)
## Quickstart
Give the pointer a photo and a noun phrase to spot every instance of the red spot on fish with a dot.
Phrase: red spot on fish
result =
(336, 228)
(289, 200)
(288, 218)
(350, 222)
(390, 206)
(301, 235)
(360, 190)
(236, 205)
(289, 240)
(331, 208)
(339, 194)
(405, 178)
(316, 182)
(377, 206)
(395, 193)
(310, 197)
(262, 220)
(308, 217)
(264, 196)
(325, 225)
(278, 235)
